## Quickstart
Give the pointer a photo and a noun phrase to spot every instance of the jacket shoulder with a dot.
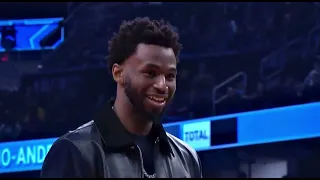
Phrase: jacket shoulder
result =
(81, 135)
(188, 153)
(71, 151)
(65, 160)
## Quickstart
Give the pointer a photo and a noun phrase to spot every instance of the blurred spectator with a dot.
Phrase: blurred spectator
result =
(313, 77)
(201, 92)
(242, 175)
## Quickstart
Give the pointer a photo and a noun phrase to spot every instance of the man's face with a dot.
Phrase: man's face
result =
(150, 79)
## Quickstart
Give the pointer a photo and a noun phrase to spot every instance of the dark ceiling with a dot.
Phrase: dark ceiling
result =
(19, 10)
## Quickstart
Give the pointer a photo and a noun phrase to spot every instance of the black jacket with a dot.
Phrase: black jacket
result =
(103, 148)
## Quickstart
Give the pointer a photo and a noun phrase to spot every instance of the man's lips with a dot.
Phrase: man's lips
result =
(157, 99)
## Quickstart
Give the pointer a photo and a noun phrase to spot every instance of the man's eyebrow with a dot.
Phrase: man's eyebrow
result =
(151, 65)
(155, 66)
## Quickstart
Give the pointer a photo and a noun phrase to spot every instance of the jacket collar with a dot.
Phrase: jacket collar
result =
(115, 135)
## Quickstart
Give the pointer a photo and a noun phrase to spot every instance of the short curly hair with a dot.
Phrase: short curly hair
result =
(141, 30)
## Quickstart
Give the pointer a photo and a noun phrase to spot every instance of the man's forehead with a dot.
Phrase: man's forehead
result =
(148, 55)
(153, 51)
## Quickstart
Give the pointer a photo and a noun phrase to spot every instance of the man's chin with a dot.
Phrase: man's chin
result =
(154, 113)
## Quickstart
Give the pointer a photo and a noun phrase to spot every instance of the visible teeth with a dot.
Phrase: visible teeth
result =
(156, 99)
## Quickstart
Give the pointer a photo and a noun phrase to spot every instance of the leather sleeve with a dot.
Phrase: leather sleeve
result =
(64, 160)
(195, 165)
(198, 172)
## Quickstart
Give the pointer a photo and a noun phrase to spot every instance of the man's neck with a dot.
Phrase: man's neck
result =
(132, 121)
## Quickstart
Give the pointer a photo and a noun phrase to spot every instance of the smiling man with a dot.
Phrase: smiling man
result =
(126, 137)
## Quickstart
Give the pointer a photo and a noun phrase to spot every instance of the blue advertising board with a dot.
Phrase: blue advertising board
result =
(23, 155)
(258, 127)
(31, 31)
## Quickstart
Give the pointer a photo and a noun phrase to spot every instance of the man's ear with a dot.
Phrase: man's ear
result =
(117, 73)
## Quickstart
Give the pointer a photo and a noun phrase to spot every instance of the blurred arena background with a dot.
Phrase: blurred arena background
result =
(248, 82)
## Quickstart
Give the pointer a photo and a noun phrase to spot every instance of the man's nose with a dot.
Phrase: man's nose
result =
(161, 85)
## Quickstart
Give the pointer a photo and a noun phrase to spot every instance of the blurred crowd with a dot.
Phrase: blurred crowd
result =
(49, 104)
(214, 28)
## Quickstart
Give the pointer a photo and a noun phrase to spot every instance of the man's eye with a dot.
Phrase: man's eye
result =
(171, 76)
(150, 73)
